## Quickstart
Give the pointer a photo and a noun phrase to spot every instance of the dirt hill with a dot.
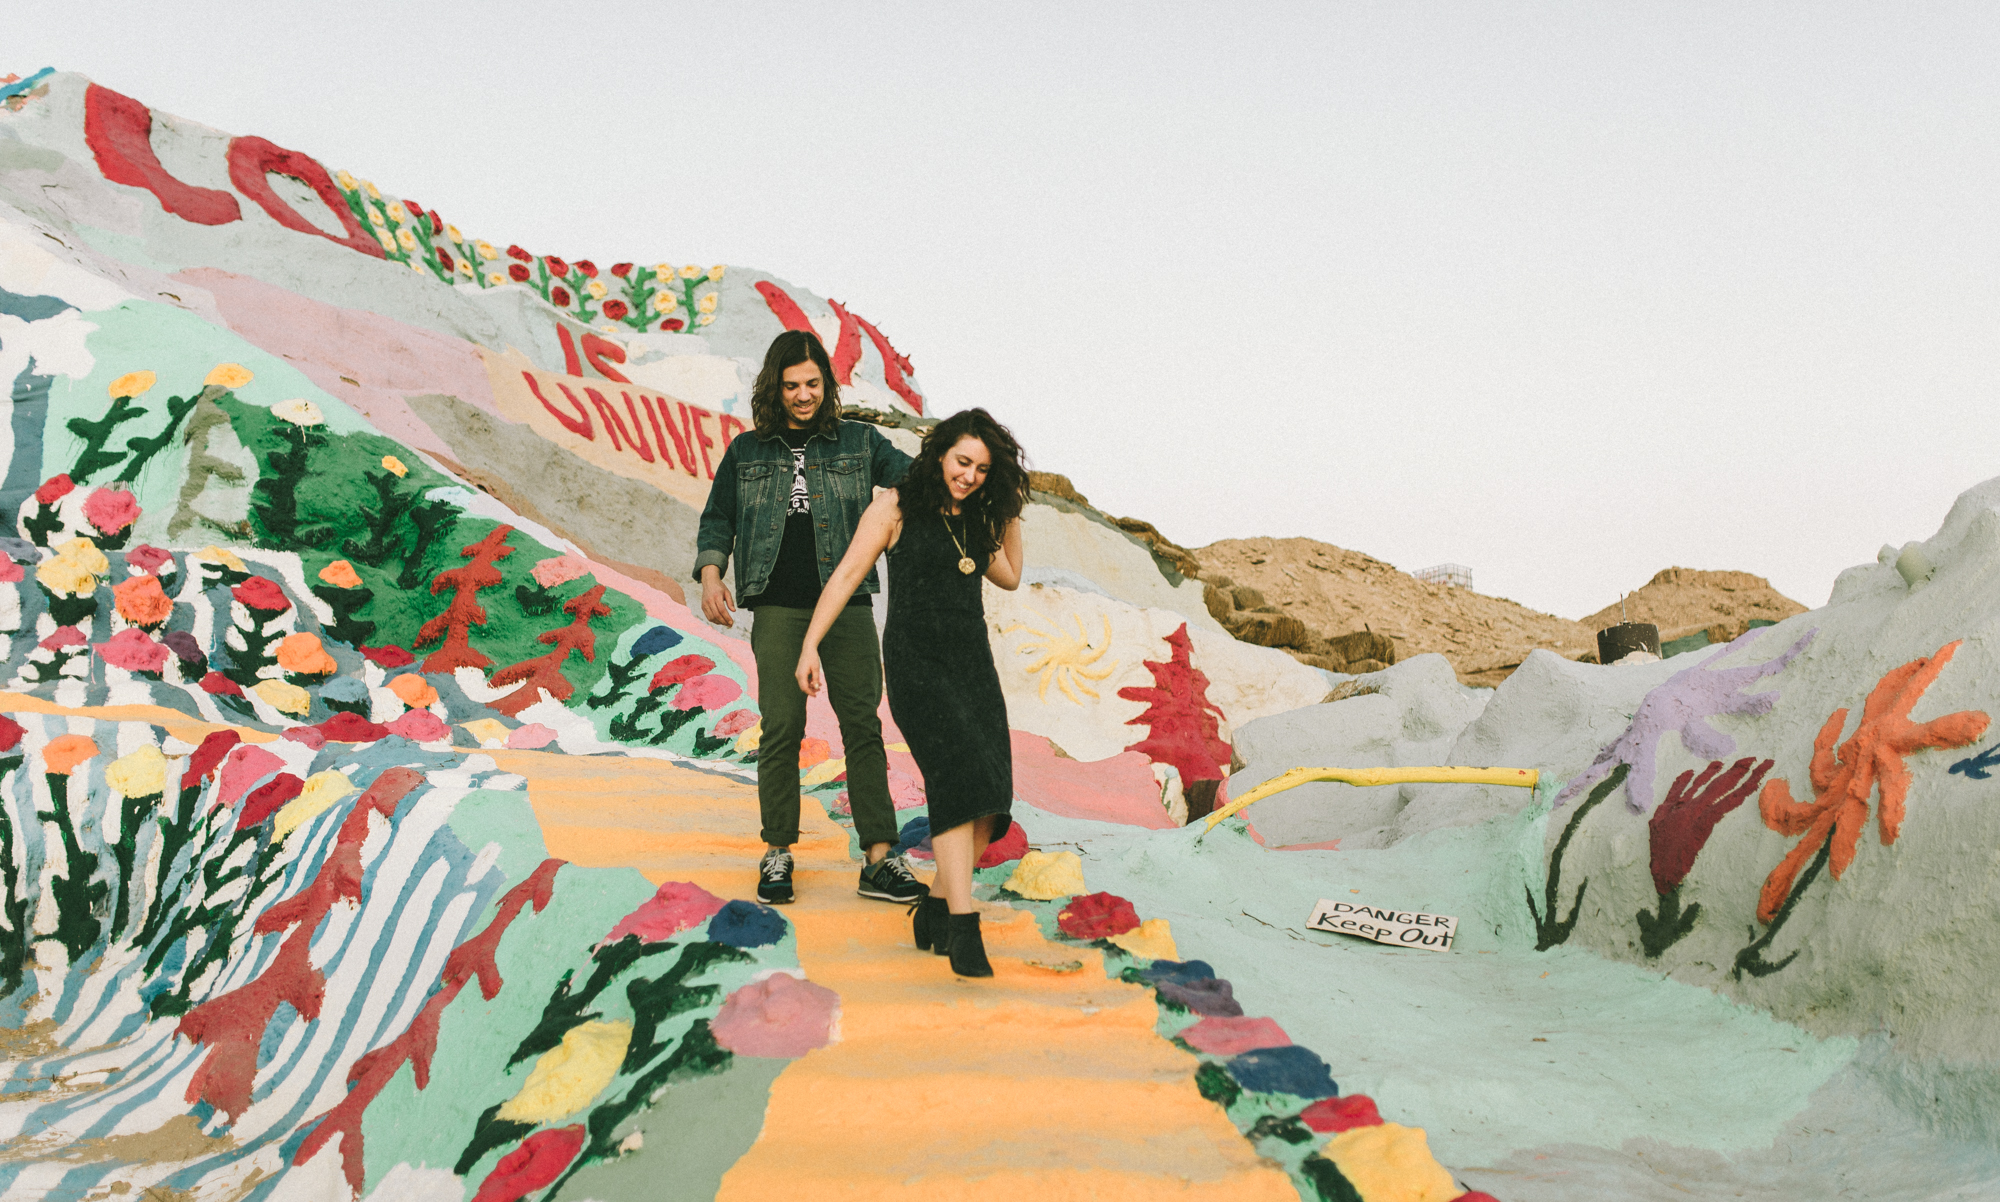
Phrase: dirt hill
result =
(1333, 592)
(1681, 601)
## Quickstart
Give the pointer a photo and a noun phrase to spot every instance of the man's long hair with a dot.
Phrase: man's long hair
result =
(767, 396)
(997, 502)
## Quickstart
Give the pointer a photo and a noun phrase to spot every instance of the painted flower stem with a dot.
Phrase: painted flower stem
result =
(14, 940)
(1751, 958)
(1548, 931)
(77, 896)
(132, 813)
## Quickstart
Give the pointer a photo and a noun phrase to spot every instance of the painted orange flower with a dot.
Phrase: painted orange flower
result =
(65, 752)
(1842, 779)
(142, 602)
(340, 574)
(302, 653)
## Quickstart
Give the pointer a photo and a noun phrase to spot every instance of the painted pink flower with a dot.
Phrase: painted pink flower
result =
(558, 569)
(111, 509)
(11, 572)
(54, 489)
(676, 907)
(260, 592)
(133, 650)
(735, 722)
(708, 692)
(420, 726)
(148, 558)
(64, 638)
(680, 671)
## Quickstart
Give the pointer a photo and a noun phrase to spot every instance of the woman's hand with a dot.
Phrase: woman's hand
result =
(716, 604)
(810, 676)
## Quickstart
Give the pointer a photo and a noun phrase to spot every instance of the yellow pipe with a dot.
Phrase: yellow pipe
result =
(1522, 778)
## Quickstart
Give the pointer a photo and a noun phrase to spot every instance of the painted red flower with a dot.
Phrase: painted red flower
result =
(54, 489)
(216, 682)
(621, 270)
(557, 267)
(559, 295)
(517, 273)
(616, 309)
(111, 509)
(1097, 916)
(437, 224)
(673, 323)
(10, 733)
(414, 207)
(208, 756)
(588, 268)
(260, 592)
(515, 252)
(389, 657)
(444, 258)
(1681, 826)
(679, 671)
(148, 558)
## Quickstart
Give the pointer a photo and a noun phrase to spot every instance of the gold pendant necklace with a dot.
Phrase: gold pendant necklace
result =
(965, 563)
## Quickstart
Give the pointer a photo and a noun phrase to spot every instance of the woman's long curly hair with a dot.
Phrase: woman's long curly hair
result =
(767, 396)
(996, 502)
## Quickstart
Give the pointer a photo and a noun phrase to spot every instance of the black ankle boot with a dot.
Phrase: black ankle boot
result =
(968, 950)
(927, 924)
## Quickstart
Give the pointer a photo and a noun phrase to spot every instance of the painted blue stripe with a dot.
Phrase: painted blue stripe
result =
(10, 90)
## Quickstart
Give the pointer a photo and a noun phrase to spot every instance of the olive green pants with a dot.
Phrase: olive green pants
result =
(851, 658)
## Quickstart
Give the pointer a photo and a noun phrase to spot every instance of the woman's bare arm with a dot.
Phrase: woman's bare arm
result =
(878, 529)
(1005, 569)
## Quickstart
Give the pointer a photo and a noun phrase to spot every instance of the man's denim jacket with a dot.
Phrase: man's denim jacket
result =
(753, 488)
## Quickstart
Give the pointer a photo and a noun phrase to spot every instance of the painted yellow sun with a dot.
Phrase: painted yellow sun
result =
(1068, 660)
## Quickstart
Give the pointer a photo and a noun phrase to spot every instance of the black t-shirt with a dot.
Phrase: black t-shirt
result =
(794, 581)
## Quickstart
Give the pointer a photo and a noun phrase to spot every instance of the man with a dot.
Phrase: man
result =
(786, 500)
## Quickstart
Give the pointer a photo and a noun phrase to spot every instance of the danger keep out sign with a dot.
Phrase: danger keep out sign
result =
(1398, 928)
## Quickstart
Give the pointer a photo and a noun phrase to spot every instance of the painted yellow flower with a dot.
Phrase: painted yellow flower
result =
(289, 698)
(691, 272)
(228, 375)
(299, 412)
(465, 267)
(374, 193)
(322, 789)
(216, 555)
(395, 465)
(388, 243)
(397, 213)
(417, 266)
(451, 232)
(715, 273)
(74, 570)
(1067, 661)
(376, 219)
(132, 383)
(140, 774)
(569, 1075)
(664, 271)
(406, 239)
(705, 304)
(486, 250)
(345, 180)
(704, 319)
(496, 278)
(596, 289)
(665, 302)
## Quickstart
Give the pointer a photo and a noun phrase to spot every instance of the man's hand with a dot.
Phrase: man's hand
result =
(809, 674)
(716, 604)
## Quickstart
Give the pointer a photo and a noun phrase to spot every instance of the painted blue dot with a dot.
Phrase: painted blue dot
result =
(1293, 1070)
(1176, 972)
(746, 924)
(654, 641)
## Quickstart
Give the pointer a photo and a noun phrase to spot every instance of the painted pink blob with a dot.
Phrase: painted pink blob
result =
(677, 906)
(245, 766)
(560, 569)
(133, 650)
(1221, 1035)
(779, 1016)
(735, 722)
(10, 572)
(708, 692)
(529, 737)
(420, 726)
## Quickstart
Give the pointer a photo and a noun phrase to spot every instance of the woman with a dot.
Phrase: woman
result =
(786, 499)
(959, 509)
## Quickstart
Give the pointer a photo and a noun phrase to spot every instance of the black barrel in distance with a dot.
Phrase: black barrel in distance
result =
(1616, 642)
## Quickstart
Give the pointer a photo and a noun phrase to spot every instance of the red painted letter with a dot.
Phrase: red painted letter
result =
(573, 425)
(597, 350)
(701, 436)
(119, 130)
(846, 351)
(787, 310)
(682, 436)
(253, 159)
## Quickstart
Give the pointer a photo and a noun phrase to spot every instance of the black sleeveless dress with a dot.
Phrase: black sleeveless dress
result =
(943, 689)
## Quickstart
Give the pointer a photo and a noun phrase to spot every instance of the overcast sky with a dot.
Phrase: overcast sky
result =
(1565, 293)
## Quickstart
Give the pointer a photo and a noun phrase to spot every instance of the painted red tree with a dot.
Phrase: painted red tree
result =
(454, 625)
(545, 671)
(1184, 726)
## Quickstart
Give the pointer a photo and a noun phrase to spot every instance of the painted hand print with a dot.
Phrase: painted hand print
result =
(1680, 828)
(1683, 706)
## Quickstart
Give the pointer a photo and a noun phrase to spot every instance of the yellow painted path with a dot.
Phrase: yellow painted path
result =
(1036, 1084)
